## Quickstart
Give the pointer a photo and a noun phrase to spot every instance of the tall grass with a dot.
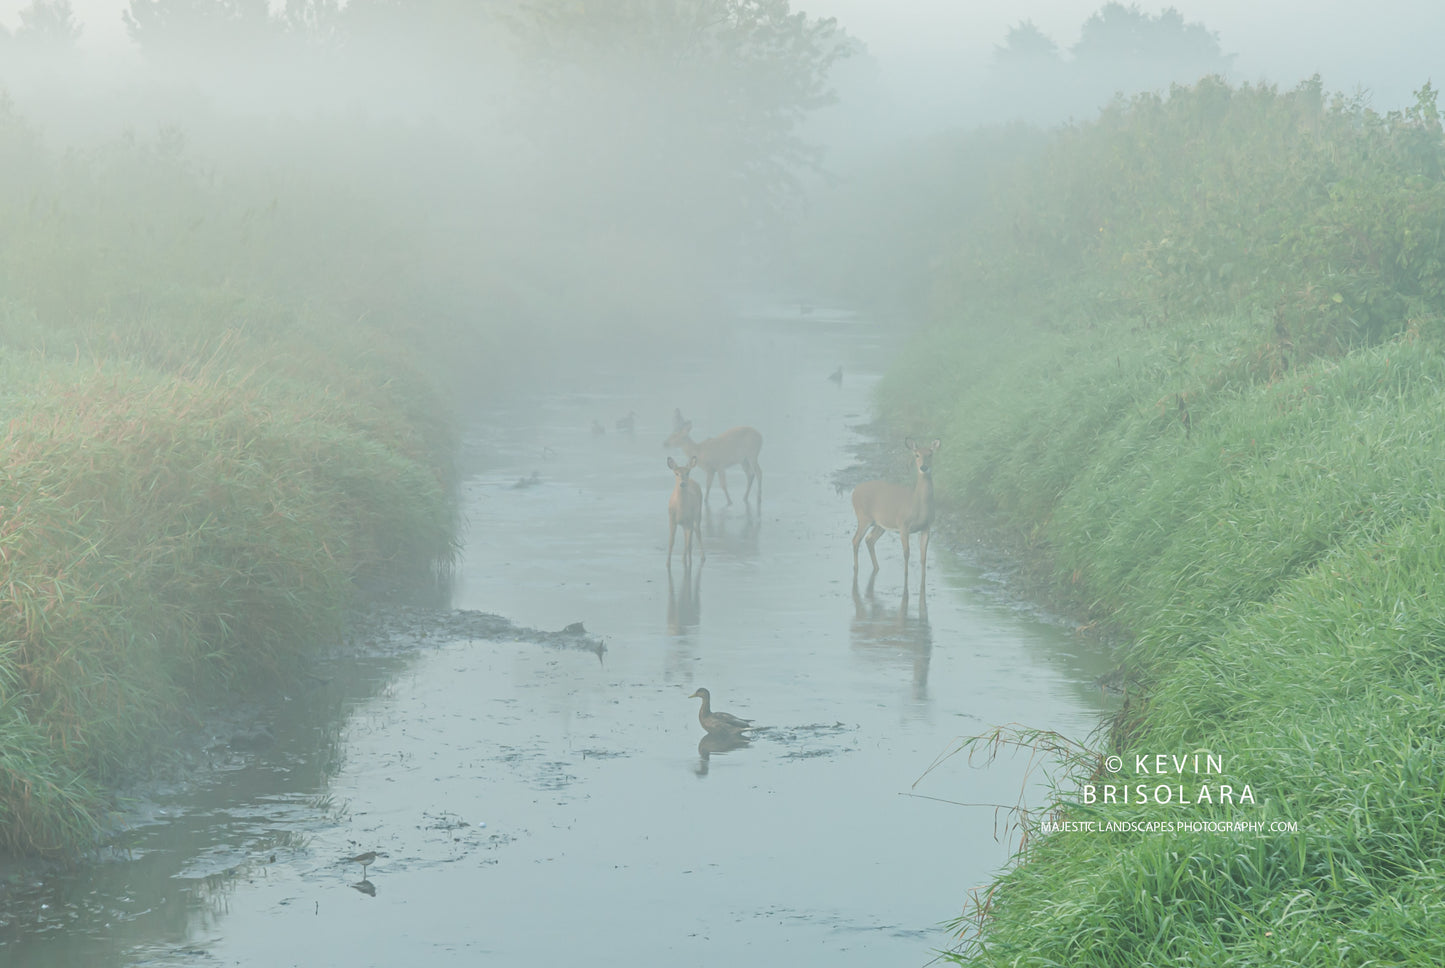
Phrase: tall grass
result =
(1276, 564)
(163, 536)
(1247, 493)
(201, 454)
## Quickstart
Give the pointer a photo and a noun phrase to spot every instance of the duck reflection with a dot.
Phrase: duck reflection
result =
(684, 608)
(717, 743)
(892, 633)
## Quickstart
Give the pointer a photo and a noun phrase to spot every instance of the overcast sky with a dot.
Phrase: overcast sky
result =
(1389, 46)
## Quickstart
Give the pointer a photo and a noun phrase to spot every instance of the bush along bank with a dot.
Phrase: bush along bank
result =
(1233, 460)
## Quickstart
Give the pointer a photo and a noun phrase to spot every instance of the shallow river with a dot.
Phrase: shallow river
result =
(536, 805)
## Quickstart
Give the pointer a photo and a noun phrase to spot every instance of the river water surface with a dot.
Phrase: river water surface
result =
(540, 805)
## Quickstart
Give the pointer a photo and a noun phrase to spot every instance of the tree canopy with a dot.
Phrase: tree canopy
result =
(674, 123)
(1121, 50)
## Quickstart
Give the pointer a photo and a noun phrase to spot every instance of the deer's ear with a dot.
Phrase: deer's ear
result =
(937, 443)
(908, 442)
(671, 464)
(692, 463)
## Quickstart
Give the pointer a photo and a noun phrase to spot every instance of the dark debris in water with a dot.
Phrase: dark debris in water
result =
(408, 625)
(597, 754)
(805, 740)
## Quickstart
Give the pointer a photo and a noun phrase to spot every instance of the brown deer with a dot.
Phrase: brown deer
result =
(684, 509)
(739, 445)
(882, 506)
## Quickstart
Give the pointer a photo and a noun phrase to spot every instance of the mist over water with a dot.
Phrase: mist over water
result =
(566, 205)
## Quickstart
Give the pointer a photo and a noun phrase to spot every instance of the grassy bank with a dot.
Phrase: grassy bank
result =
(1201, 377)
(168, 536)
(200, 456)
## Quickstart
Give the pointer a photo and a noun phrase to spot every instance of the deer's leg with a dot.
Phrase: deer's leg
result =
(874, 534)
(857, 540)
(722, 479)
(922, 559)
(671, 537)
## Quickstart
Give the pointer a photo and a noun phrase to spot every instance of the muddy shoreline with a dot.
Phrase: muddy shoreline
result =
(231, 734)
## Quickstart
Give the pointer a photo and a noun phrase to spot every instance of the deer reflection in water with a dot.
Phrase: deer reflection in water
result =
(684, 610)
(733, 535)
(889, 632)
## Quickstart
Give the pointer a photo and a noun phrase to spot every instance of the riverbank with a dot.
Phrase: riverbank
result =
(1274, 566)
(176, 535)
(222, 416)
(1244, 489)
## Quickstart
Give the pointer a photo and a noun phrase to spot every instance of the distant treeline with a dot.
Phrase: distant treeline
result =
(1215, 197)
(1317, 208)
(596, 164)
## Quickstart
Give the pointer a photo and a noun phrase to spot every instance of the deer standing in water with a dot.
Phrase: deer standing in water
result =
(739, 445)
(684, 509)
(882, 506)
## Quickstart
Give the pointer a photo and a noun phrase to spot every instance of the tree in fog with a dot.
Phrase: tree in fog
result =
(199, 31)
(1026, 73)
(1123, 49)
(317, 20)
(678, 119)
(1025, 46)
(48, 25)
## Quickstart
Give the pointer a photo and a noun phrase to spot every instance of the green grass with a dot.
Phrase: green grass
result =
(1191, 366)
(163, 537)
(1275, 567)
(205, 446)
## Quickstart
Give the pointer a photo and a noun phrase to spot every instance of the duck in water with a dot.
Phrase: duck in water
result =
(718, 722)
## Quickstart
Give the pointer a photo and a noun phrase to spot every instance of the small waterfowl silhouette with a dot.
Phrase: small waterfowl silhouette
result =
(837, 376)
(365, 860)
(718, 722)
(627, 423)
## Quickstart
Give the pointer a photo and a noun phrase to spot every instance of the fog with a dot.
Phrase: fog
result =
(635, 162)
(630, 163)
